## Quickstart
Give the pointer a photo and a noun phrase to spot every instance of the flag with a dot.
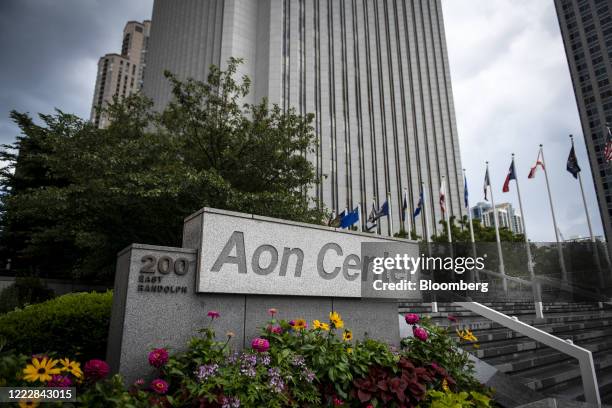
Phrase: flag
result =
(372, 218)
(487, 183)
(539, 162)
(419, 206)
(608, 146)
(350, 218)
(443, 197)
(404, 205)
(572, 163)
(510, 176)
(384, 209)
(466, 201)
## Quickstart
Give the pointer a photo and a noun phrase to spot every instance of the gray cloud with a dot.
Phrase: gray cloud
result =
(50, 51)
(512, 92)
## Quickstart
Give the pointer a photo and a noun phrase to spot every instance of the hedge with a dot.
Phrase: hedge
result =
(74, 325)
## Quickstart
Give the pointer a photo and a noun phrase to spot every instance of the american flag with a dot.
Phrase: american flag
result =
(608, 147)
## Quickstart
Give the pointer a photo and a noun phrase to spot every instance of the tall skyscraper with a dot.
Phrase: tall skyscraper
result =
(586, 27)
(374, 72)
(121, 74)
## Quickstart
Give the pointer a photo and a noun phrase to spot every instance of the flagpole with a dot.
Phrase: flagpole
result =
(407, 212)
(446, 216)
(425, 218)
(389, 214)
(586, 209)
(469, 211)
(359, 216)
(502, 269)
(552, 210)
(536, 288)
(375, 205)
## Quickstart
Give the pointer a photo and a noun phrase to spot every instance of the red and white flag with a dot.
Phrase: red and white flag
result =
(608, 146)
(539, 162)
(443, 197)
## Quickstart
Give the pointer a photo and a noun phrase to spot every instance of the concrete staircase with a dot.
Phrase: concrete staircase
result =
(539, 367)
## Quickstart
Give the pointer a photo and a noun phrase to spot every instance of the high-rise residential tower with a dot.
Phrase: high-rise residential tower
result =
(586, 27)
(374, 72)
(121, 74)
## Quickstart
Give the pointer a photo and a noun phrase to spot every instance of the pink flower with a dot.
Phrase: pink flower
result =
(139, 382)
(272, 311)
(158, 357)
(412, 318)
(59, 381)
(452, 318)
(96, 370)
(275, 329)
(159, 386)
(260, 345)
(420, 333)
(337, 401)
(213, 314)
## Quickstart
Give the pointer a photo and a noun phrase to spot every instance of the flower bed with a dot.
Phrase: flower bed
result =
(290, 364)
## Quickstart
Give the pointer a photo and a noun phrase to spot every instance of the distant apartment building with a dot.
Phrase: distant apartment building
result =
(507, 216)
(586, 28)
(120, 75)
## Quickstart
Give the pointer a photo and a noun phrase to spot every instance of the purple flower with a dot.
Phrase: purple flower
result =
(206, 371)
(298, 361)
(265, 359)
(276, 382)
(159, 386)
(260, 344)
(231, 402)
(96, 370)
(59, 381)
(213, 314)
(308, 375)
(247, 366)
(420, 333)
(412, 318)
(158, 357)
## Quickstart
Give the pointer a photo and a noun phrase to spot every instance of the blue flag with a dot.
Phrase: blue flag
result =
(350, 218)
(384, 210)
(419, 206)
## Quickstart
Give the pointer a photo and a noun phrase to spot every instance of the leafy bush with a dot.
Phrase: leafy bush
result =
(26, 290)
(75, 324)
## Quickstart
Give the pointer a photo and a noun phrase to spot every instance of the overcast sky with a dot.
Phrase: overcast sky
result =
(510, 80)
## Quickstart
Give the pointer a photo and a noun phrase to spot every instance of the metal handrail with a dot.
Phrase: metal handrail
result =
(584, 356)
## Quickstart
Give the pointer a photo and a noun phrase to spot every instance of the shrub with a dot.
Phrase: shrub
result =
(26, 290)
(73, 325)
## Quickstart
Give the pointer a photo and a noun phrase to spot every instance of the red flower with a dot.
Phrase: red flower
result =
(159, 386)
(158, 357)
(452, 318)
(420, 333)
(337, 401)
(96, 370)
(260, 345)
(213, 314)
(412, 318)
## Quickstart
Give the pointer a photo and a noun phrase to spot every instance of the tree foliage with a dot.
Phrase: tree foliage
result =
(75, 195)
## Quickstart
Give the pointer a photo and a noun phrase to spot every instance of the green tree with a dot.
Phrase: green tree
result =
(75, 195)
(460, 231)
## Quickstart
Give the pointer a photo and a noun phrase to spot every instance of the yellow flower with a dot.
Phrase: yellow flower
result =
(347, 335)
(40, 370)
(325, 326)
(467, 335)
(336, 320)
(316, 324)
(28, 403)
(299, 324)
(73, 367)
(445, 385)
